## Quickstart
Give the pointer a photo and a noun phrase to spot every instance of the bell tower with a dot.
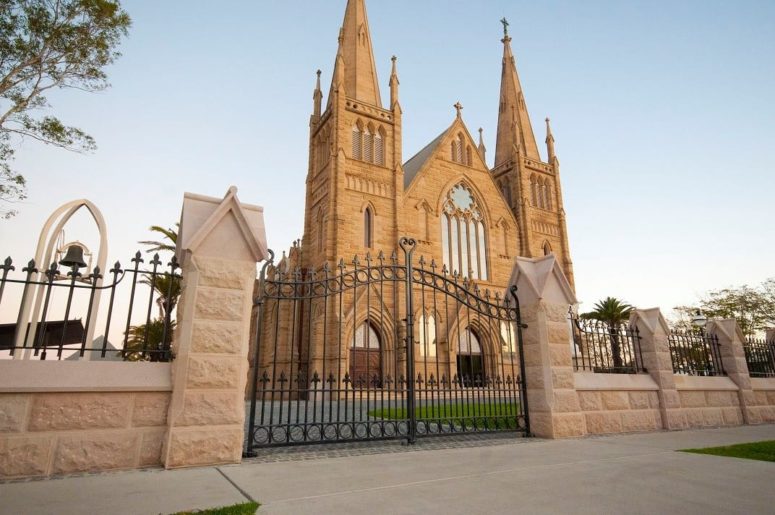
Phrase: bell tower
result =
(355, 176)
(530, 185)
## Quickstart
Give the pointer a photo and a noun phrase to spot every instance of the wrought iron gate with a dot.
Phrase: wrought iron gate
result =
(382, 349)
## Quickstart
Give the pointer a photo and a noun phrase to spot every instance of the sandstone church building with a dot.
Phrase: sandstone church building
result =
(470, 219)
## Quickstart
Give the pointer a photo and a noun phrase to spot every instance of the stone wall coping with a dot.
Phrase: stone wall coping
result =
(22, 376)
(763, 383)
(721, 383)
(586, 381)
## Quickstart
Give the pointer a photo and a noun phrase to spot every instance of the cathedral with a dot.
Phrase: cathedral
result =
(471, 221)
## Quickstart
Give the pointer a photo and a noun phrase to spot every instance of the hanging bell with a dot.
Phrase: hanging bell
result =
(73, 257)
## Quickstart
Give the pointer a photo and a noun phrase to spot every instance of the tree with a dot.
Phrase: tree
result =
(613, 313)
(47, 45)
(168, 289)
(753, 308)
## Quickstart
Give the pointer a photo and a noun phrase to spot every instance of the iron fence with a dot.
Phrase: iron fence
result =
(60, 308)
(695, 353)
(760, 356)
(606, 348)
(382, 349)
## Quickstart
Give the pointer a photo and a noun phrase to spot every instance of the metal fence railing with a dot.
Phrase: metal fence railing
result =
(54, 312)
(760, 356)
(606, 348)
(695, 353)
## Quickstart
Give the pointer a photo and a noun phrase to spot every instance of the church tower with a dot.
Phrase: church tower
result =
(355, 175)
(530, 186)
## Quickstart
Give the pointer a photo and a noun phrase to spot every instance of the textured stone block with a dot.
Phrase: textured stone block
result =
(603, 422)
(558, 333)
(721, 399)
(562, 378)
(215, 304)
(615, 400)
(695, 417)
(209, 337)
(590, 401)
(675, 419)
(713, 417)
(85, 452)
(771, 398)
(213, 373)
(761, 397)
(640, 400)
(566, 401)
(568, 425)
(732, 416)
(638, 420)
(219, 273)
(24, 456)
(79, 411)
(204, 447)
(691, 399)
(212, 409)
(560, 356)
(556, 313)
(151, 447)
(150, 409)
(654, 399)
(13, 412)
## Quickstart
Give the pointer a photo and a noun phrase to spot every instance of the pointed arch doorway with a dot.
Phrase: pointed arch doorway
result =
(366, 356)
(470, 359)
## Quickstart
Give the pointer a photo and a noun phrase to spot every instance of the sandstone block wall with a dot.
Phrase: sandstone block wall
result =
(620, 411)
(45, 434)
(761, 405)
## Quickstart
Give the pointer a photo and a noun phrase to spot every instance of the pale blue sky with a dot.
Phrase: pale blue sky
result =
(662, 112)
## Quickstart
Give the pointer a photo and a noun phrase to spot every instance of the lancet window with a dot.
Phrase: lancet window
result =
(463, 237)
(368, 144)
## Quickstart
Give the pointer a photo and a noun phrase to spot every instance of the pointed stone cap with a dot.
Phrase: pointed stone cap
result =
(541, 279)
(223, 228)
(726, 328)
(652, 319)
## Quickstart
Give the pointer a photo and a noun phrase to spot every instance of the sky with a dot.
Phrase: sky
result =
(662, 113)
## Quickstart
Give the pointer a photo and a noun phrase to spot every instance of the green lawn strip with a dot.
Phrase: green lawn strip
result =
(495, 415)
(248, 508)
(761, 451)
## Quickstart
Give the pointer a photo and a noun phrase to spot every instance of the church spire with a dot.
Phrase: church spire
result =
(549, 142)
(317, 98)
(360, 72)
(514, 129)
(394, 83)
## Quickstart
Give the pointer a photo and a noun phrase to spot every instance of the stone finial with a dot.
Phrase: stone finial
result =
(549, 141)
(482, 148)
(394, 83)
(459, 108)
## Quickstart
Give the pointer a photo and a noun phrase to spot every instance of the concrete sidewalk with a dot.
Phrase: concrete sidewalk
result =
(618, 474)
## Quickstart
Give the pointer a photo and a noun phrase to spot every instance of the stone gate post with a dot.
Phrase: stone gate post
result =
(545, 297)
(654, 333)
(730, 340)
(219, 243)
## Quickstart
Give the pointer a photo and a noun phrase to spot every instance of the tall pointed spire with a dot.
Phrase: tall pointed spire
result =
(317, 97)
(360, 71)
(394, 83)
(482, 148)
(549, 142)
(514, 129)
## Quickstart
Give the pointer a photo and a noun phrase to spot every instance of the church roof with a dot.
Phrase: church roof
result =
(415, 164)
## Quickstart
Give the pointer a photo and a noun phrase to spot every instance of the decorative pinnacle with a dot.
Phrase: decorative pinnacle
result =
(459, 108)
(506, 24)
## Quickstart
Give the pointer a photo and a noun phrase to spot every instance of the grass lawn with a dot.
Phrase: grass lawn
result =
(762, 451)
(248, 508)
(496, 415)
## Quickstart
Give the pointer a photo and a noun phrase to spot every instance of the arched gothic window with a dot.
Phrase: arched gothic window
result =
(368, 228)
(357, 143)
(320, 234)
(463, 238)
(547, 248)
(469, 156)
(506, 190)
(548, 195)
(366, 337)
(368, 146)
(533, 190)
(427, 336)
(379, 148)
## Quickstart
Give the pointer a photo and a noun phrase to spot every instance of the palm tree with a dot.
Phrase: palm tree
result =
(168, 234)
(613, 313)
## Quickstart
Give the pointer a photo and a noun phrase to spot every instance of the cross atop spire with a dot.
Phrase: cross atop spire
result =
(506, 25)
(459, 108)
